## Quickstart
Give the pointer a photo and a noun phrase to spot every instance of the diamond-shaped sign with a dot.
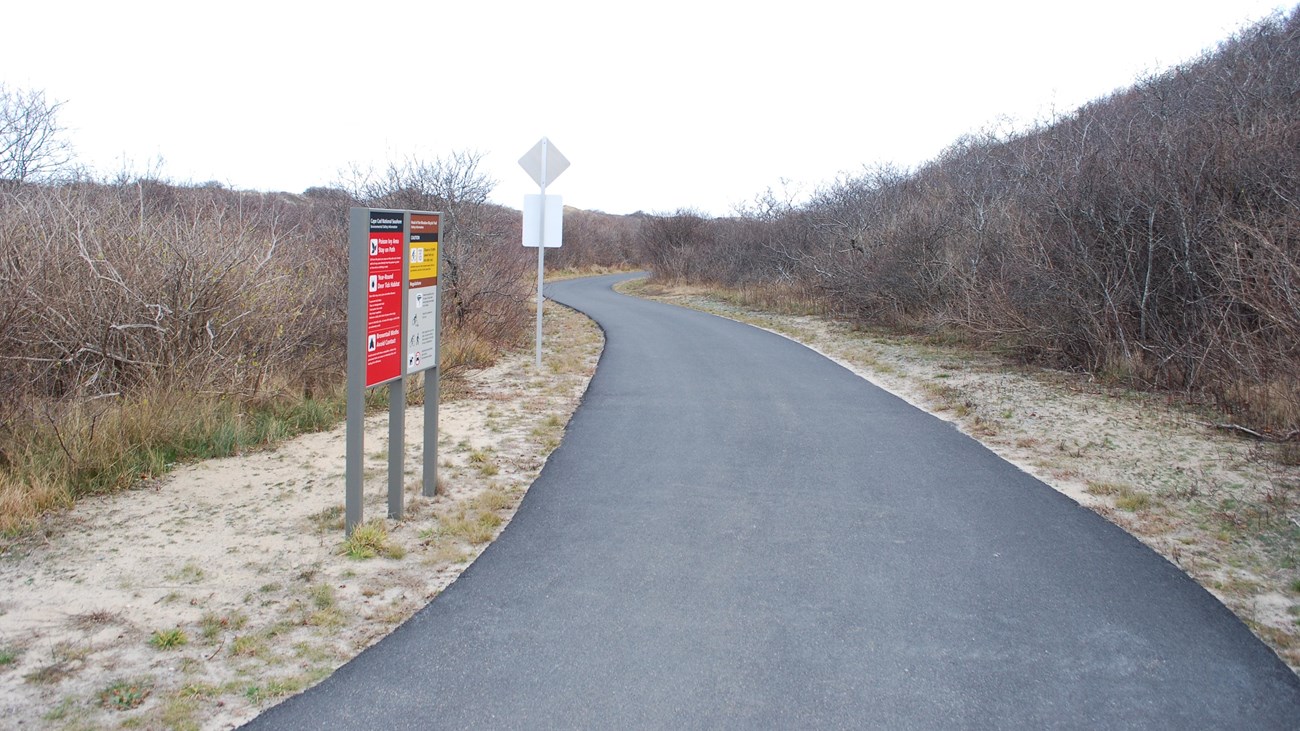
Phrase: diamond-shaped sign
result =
(544, 163)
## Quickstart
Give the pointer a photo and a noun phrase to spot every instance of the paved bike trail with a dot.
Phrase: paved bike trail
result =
(738, 533)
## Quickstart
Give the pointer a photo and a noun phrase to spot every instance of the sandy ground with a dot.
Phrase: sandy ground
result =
(204, 597)
(1224, 509)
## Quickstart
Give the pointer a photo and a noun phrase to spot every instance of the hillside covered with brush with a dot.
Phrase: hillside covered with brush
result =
(1150, 237)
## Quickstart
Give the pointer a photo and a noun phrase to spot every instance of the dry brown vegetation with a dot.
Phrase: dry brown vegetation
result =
(1151, 238)
(142, 322)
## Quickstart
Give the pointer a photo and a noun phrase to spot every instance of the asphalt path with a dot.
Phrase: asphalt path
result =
(738, 533)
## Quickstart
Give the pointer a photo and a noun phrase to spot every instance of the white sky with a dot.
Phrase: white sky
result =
(658, 105)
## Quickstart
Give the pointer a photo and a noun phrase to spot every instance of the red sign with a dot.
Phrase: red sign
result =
(384, 298)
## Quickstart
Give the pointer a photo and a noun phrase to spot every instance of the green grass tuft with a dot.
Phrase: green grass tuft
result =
(370, 540)
(168, 639)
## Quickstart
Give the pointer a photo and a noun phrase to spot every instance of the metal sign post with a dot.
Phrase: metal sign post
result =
(424, 321)
(543, 163)
(541, 269)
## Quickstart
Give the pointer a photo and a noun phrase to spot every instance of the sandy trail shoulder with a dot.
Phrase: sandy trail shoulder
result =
(242, 556)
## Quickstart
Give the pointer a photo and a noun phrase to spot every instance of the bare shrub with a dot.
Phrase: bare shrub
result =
(484, 268)
(112, 288)
(595, 240)
(671, 244)
(32, 144)
(1150, 237)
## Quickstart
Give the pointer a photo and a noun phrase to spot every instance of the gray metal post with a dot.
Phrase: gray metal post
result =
(396, 445)
(397, 394)
(430, 432)
(541, 252)
(358, 233)
(541, 255)
(431, 393)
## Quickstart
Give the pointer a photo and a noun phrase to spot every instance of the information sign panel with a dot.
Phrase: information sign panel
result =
(422, 293)
(384, 298)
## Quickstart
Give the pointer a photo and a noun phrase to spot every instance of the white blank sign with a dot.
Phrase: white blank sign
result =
(554, 224)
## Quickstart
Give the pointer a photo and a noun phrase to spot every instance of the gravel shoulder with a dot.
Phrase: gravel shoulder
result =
(1223, 509)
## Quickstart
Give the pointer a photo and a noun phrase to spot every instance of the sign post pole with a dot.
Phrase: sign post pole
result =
(424, 324)
(397, 393)
(358, 233)
(544, 164)
(396, 445)
(430, 487)
(541, 259)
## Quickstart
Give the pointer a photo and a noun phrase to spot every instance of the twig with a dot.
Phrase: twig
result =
(1289, 436)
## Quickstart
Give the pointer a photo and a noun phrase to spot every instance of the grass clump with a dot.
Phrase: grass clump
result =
(8, 656)
(328, 520)
(472, 526)
(61, 712)
(462, 350)
(180, 713)
(1098, 487)
(495, 499)
(322, 596)
(50, 674)
(248, 646)
(279, 687)
(68, 658)
(370, 540)
(1133, 501)
(329, 618)
(1126, 498)
(212, 624)
(190, 573)
(169, 639)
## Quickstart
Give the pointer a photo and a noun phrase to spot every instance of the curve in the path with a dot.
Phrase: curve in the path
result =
(737, 532)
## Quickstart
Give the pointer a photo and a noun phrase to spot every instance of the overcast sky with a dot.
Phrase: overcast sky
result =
(657, 105)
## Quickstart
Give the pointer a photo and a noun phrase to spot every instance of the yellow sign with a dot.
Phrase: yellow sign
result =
(424, 261)
(424, 250)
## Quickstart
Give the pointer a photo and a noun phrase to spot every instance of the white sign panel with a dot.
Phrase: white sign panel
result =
(543, 163)
(543, 221)
(422, 329)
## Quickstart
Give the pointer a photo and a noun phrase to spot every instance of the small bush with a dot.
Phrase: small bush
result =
(322, 596)
(123, 695)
